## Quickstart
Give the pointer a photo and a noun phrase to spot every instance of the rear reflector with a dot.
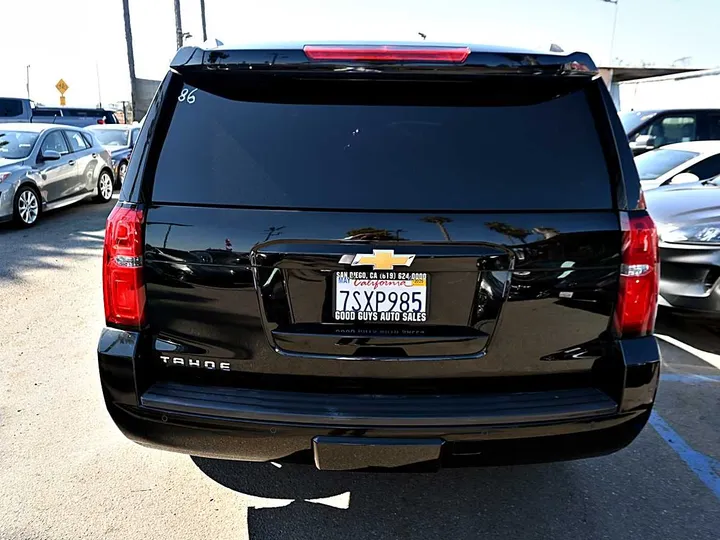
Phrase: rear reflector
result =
(387, 53)
(123, 285)
(638, 294)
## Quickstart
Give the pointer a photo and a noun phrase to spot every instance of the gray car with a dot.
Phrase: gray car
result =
(46, 166)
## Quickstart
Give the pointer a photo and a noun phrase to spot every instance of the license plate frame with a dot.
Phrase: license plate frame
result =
(414, 317)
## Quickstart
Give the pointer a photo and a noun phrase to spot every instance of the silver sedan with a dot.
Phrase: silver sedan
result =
(48, 166)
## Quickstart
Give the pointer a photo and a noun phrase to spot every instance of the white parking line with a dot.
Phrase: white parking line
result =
(710, 358)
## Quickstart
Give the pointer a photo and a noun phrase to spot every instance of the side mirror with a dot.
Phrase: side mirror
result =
(684, 178)
(50, 155)
(647, 142)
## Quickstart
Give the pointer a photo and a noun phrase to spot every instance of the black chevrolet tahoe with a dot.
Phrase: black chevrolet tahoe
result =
(378, 256)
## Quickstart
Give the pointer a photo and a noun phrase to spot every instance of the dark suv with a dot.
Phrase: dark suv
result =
(332, 254)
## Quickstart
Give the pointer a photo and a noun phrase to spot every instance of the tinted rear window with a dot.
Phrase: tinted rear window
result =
(84, 113)
(10, 107)
(222, 150)
(111, 137)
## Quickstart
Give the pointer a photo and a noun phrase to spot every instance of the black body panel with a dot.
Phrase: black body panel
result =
(559, 295)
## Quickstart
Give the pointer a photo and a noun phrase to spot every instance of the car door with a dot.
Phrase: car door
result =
(57, 176)
(85, 159)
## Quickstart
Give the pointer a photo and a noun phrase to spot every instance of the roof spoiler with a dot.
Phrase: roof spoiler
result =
(368, 59)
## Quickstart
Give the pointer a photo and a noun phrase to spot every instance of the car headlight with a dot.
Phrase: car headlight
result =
(704, 233)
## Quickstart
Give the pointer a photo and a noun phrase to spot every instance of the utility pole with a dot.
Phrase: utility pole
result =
(614, 27)
(178, 25)
(130, 54)
(27, 79)
(202, 17)
(97, 73)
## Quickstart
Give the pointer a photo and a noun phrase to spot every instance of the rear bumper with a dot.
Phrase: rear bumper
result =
(259, 425)
(468, 446)
(378, 411)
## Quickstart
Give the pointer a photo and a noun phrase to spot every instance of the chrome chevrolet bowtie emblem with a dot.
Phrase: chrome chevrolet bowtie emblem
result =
(381, 259)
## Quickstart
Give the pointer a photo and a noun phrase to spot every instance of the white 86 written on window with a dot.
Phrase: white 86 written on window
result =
(187, 95)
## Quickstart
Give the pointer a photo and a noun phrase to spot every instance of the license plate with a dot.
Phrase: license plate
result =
(398, 297)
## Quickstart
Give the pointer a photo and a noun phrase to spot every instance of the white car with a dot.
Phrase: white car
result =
(679, 163)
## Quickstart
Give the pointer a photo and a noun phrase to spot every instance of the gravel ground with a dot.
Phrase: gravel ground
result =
(67, 473)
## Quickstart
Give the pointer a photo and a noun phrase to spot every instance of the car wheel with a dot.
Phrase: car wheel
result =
(104, 187)
(122, 171)
(27, 207)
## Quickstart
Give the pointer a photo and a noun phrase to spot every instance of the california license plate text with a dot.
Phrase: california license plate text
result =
(381, 296)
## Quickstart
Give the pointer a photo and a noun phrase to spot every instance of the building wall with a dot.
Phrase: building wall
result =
(700, 89)
(607, 76)
(144, 92)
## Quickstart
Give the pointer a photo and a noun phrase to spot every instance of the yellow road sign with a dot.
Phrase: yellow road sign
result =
(62, 100)
(62, 86)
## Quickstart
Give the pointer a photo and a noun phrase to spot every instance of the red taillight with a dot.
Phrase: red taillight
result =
(101, 121)
(123, 285)
(637, 298)
(386, 53)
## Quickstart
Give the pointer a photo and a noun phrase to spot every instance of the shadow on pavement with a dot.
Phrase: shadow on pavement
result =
(58, 238)
(470, 503)
(641, 492)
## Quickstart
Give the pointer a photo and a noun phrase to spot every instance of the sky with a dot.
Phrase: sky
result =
(83, 41)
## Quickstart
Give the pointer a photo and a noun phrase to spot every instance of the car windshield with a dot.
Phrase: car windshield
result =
(632, 120)
(652, 165)
(112, 137)
(16, 144)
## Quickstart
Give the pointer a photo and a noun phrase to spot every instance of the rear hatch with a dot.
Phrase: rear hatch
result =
(384, 225)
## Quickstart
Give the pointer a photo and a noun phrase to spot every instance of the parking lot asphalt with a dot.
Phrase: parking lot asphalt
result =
(66, 471)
